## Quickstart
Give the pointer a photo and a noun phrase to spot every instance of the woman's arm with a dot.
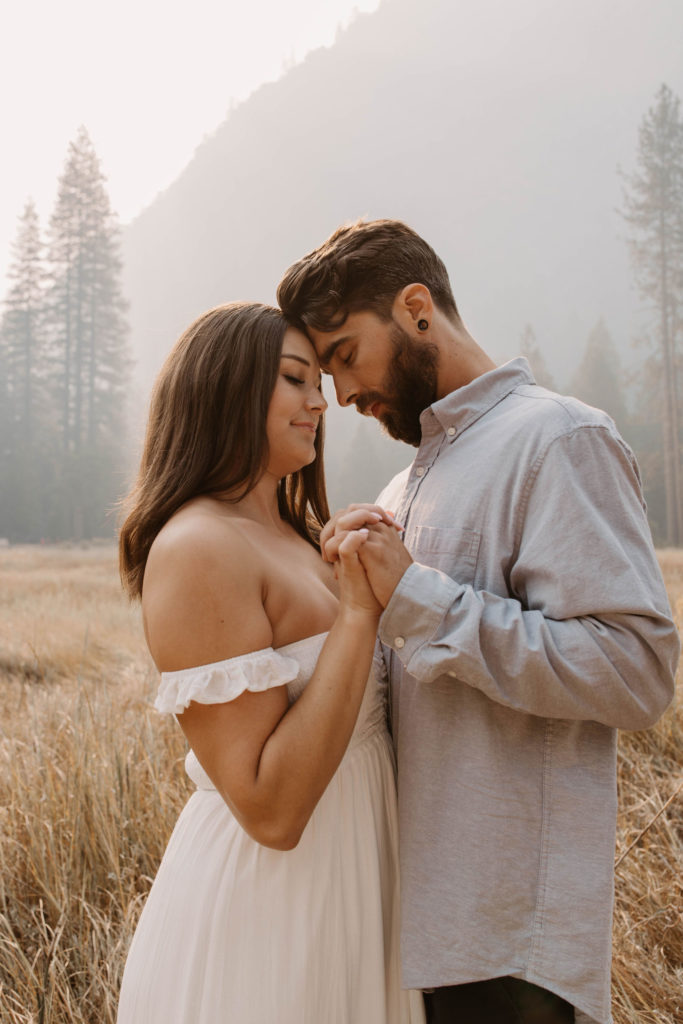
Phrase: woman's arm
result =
(270, 761)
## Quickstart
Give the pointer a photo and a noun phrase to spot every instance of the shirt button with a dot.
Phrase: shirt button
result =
(399, 642)
(450, 431)
(420, 471)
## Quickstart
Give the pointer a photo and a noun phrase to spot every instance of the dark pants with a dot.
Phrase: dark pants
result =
(499, 1001)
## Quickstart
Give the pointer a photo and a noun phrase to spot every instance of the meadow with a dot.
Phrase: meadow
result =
(92, 781)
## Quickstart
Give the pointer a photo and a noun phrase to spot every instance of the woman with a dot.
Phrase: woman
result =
(276, 899)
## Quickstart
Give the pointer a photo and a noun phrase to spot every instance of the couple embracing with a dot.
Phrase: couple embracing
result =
(484, 630)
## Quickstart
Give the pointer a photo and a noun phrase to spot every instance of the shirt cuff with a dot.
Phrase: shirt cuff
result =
(416, 609)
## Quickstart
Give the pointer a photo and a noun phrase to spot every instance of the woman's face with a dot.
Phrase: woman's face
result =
(295, 407)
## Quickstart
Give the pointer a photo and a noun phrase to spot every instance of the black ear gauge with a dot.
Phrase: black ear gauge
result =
(422, 325)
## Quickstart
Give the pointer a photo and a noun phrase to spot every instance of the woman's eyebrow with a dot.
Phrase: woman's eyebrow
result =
(299, 359)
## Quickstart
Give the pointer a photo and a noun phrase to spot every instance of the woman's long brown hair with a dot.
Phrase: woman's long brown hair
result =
(206, 432)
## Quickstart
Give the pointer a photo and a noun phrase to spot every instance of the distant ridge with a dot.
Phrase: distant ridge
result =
(494, 129)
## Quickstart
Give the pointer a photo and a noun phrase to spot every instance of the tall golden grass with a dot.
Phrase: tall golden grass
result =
(93, 780)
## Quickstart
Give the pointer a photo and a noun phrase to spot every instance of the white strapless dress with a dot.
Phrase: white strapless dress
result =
(235, 933)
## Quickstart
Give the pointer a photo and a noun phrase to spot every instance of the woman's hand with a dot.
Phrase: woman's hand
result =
(355, 592)
(355, 517)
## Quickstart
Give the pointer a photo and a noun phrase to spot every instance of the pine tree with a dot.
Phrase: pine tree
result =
(530, 350)
(23, 411)
(88, 341)
(599, 377)
(654, 212)
(22, 328)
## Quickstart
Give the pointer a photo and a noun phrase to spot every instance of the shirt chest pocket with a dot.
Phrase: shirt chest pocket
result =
(453, 551)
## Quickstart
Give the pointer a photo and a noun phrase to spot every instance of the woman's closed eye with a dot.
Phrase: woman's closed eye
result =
(292, 379)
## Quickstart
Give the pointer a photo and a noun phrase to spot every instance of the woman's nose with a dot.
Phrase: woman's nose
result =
(316, 399)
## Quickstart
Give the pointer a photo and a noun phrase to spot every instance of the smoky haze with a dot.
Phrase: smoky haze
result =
(495, 130)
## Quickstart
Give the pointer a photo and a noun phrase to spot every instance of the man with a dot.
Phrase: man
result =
(525, 622)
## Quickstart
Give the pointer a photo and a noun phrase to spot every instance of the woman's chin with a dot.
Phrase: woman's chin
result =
(295, 465)
(308, 462)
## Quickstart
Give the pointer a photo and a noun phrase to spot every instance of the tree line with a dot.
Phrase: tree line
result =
(64, 364)
(645, 403)
(65, 361)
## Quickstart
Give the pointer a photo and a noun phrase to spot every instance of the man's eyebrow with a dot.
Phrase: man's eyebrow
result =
(326, 357)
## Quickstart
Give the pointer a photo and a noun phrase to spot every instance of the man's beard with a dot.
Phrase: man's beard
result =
(408, 389)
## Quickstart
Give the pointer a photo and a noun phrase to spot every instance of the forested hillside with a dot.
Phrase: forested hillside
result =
(501, 150)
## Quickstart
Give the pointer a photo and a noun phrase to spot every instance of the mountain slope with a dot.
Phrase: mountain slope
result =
(494, 129)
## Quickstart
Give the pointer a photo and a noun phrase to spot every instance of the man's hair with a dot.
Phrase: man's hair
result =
(362, 266)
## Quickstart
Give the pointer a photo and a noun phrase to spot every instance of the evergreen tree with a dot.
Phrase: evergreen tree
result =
(654, 212)
(22, 329)
(530, 350)
(599, 377)
(23, 411)
(88, 342)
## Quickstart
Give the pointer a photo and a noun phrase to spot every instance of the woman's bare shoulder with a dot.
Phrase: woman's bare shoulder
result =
(198, 536)
(202, 595)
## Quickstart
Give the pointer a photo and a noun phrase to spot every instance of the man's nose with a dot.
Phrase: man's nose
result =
(346, 395)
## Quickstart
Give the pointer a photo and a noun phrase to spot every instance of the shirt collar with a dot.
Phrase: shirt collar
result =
(462, 407)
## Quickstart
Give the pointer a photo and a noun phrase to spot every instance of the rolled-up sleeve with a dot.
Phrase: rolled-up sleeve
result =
(585, 629)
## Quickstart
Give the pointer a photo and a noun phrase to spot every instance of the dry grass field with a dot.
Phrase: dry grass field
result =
(92, 781)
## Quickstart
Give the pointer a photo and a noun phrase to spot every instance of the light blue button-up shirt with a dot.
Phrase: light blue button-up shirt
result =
(532, 625)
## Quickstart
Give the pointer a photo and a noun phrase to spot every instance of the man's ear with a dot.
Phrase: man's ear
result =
(413, 305)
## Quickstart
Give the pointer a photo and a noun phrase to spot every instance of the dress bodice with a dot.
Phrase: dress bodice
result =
(372, 713)
(291, 665)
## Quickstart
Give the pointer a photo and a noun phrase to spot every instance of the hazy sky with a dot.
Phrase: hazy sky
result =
(148, 78)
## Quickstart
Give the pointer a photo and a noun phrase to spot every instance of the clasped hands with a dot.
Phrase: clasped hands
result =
(382, 555)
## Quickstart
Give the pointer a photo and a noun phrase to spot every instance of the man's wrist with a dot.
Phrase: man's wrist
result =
(416, 608)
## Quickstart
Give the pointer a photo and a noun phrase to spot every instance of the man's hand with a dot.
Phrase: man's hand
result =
(355, 517)
(383, 556)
